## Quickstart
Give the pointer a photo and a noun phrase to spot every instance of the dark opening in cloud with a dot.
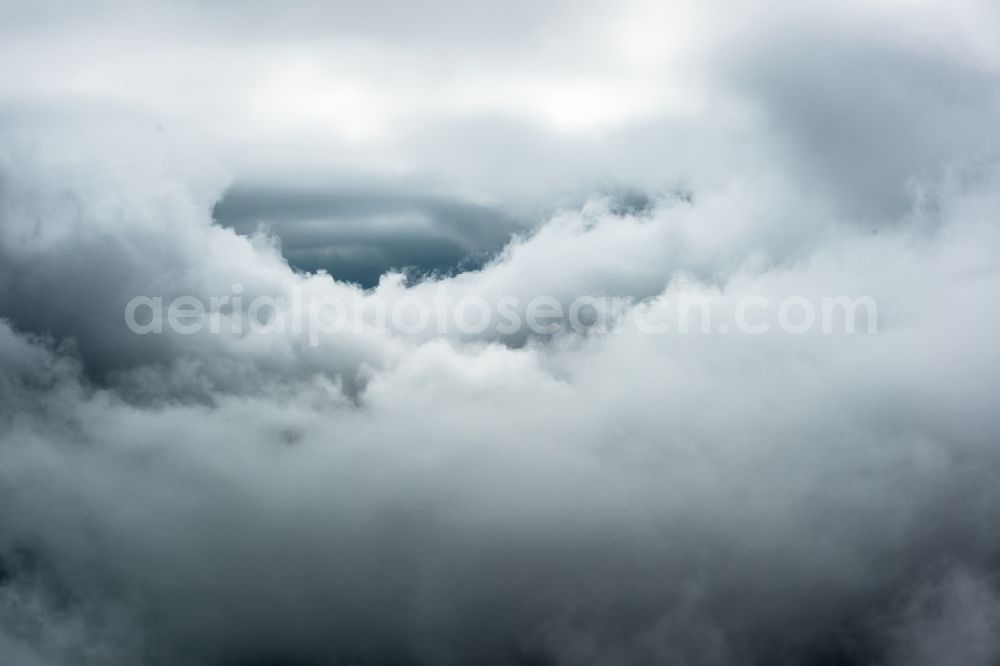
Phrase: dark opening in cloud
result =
(357, 235)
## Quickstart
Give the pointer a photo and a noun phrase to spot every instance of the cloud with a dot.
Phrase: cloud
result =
(446, 497)
(624, 498)
(356, 236)
(954, 615)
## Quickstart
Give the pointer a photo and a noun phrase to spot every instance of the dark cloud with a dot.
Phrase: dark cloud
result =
(359, 235)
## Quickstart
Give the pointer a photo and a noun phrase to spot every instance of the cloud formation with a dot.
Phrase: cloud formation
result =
(452, 498)
(357, 236)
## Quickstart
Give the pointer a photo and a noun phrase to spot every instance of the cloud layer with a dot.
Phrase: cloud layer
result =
(375, 497)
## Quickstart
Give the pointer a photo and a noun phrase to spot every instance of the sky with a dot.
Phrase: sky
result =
(665, 444)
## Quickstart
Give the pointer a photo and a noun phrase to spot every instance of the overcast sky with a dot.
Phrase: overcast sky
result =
(385, 496)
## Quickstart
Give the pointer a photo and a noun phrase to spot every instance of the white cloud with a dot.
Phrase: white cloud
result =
(478, 498)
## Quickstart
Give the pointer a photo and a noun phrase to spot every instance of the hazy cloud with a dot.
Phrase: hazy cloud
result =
(443, 497)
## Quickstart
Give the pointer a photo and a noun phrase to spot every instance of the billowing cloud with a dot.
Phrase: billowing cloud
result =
(647, 492)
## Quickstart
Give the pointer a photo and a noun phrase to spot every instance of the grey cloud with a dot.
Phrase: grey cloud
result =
(677, 501)
(358, 235)
(953, 615)
(385, 499)
(865, 119)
